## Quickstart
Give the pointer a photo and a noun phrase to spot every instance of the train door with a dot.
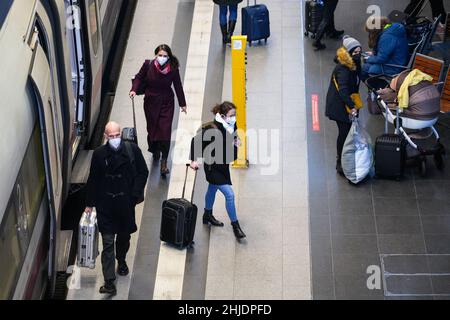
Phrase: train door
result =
(44, 79)
(94, 35)
(77, 52)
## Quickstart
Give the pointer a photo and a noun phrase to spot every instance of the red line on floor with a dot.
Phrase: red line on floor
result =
(315, 112)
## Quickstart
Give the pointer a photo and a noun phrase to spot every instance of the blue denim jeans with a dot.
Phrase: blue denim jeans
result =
(224, 13)
(227, 191)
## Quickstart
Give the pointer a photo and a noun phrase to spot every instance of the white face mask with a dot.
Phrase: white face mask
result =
(162, 60)
(231, 121)
(115, 143)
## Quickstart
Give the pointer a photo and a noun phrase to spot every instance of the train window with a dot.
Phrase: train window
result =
(94, 26)
(21, 214)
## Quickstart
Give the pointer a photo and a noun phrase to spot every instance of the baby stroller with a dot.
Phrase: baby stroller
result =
(415, 126)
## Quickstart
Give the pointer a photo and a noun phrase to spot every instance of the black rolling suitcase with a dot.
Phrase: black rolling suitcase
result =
(179, 217)
(390, 156)
(313, 16)
(130, 134)
(255, 22)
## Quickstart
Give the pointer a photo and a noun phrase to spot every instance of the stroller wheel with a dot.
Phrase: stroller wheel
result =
(423, 168)
(439, 161)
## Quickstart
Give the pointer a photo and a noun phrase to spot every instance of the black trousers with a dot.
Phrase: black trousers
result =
(344, 129)
(327, 24)
(109, 256)
(437, 8)
(162, 147)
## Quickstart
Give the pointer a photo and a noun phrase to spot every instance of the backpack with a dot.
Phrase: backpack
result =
(130, 154)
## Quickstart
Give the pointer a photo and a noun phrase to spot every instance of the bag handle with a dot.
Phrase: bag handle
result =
(185, 181)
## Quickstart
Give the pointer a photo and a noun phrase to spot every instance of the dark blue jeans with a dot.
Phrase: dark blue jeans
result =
(224, 13)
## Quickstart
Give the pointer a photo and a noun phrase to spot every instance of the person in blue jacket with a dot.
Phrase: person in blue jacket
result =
(390, 47)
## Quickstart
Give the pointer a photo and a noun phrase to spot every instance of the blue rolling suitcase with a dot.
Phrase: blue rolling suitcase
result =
(255, 22)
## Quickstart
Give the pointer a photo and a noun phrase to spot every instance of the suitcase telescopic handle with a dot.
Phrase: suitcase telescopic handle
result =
(185, 181)
(248, 3)
(134, 112)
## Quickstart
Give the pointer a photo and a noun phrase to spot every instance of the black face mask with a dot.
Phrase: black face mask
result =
(357, 58)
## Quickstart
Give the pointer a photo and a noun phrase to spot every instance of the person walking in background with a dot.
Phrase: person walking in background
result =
(227, 25)
(114, 187)
(327, 26)
(344, 83)
(221, 139)
(155, 80)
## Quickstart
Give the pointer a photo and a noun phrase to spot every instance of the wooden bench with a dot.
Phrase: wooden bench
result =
(429, 65)
(445, 97)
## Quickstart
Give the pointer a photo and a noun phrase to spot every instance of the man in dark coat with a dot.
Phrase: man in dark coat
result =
(116, 184)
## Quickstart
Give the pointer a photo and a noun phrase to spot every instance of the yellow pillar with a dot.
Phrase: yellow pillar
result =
(239, 76)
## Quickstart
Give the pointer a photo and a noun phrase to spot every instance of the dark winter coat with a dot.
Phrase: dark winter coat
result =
(347, 75)
(227, 2)
(217, 147)
(392, 48)
(114, 187)
(159, 101)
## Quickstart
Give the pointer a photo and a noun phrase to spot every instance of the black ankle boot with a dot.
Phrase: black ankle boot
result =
(231, 27)
(238, 233)
(224, 30)
(109, 288)
(208, 218)
(164, 168)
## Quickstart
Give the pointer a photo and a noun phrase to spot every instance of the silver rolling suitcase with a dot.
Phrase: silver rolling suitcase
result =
(88, 240)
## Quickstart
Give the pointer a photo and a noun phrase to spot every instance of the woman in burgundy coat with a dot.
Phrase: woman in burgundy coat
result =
(155, 80)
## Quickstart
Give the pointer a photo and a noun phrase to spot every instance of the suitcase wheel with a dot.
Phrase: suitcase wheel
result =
(265, 40)
(306, 33)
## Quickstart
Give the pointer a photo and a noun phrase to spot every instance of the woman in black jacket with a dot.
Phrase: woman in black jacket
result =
(217, 144)
(345, 81)
(225, 6)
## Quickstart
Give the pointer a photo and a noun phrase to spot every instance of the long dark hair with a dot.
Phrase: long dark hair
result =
(174, 63)
(223, 108)
(375, 27)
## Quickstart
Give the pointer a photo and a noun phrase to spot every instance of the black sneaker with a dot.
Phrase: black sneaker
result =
(122, 269)
(109, 288)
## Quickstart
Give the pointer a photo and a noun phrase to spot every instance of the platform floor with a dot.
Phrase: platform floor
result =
(310, 234)
(401, 227)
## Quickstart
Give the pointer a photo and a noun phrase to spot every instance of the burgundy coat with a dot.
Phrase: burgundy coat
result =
(159, 101)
